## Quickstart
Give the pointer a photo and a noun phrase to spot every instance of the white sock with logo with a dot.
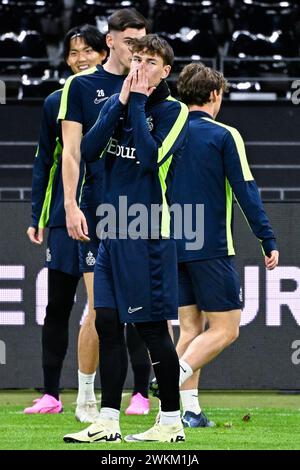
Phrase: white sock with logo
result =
(190, 401)
(110, 413)
(170, 417)
(185, 372)
(85, 388)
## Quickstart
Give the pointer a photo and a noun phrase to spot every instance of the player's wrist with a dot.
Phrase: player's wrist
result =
(70, 204)
(269, 245)
(139, 95)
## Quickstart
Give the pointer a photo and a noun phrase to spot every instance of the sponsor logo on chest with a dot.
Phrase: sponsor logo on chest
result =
(120, 150)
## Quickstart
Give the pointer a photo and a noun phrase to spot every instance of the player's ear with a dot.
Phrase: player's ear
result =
(103, 55)
(166, 71)
(213, 96)
(109, 41)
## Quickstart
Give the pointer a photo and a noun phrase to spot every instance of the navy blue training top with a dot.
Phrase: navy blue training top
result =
(84, 95)
(140, 144)
(47, 188)
(215, 168)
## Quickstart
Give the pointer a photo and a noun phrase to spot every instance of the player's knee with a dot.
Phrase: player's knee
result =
(235, 334)
(90, 318)
(58, 311)
(186, 337)
(190, 330)
(231, 335)
(108, 324)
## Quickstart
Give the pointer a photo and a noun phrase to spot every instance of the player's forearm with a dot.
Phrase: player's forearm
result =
(96, 139)
(248, 198)
(40, 178)
(146, 146)
(70, 174)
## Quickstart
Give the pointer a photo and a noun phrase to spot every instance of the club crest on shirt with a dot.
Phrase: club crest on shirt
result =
(150, 123)
(90, 259)
(48, 255)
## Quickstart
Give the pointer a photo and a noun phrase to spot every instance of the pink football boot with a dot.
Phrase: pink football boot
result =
(138, 405)
(44, 405)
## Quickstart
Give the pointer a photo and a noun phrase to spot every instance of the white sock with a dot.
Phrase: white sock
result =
(85, 388)
(185, 372)
(189, 400)
(170, 417)
(110, 413)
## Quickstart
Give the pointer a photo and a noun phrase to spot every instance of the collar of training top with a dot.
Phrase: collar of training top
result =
(160, 93)
(199, 114)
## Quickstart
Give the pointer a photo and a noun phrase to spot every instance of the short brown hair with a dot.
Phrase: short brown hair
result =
(196, 82)
(127, 18)
(154, 44)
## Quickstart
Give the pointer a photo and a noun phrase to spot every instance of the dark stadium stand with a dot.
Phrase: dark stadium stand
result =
(250, 40)
(254, 42)
(85, 11)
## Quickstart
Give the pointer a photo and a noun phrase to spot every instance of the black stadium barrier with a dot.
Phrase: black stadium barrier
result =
(266, 355)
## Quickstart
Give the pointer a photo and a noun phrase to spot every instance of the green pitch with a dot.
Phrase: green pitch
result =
(244, 421)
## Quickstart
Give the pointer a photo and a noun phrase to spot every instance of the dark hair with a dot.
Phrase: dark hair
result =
(91, 36)
(196, 82)
(126, 18)
(153, 44)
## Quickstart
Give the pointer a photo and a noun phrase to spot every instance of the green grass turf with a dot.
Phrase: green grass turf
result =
(274, 423)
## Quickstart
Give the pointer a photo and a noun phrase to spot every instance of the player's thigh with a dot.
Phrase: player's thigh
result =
(62, 252)
(104, 286)
(145, 279)
(89, 285)
(191, 319)
(216, 284)
(186, 294)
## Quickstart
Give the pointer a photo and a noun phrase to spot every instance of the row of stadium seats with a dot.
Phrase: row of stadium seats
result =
(255, 43)
(264, 86)
(274, 73)
(219, 17)
(186, 43)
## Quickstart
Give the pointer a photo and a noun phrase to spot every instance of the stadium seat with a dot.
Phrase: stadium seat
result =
(9, 49)
(9, 46)
(40, 86)
(266, 16)
(32, 44)
(262, 57)
(192, 42)
(197, 14)
(245, 43)
(34, 6)
(97, 12)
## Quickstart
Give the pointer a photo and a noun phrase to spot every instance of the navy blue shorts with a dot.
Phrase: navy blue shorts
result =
(88, 251)
(62, 252)
(213, 285)
(138, 278)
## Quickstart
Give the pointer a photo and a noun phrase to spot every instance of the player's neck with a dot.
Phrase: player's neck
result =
(205, 109)
(113, 66)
